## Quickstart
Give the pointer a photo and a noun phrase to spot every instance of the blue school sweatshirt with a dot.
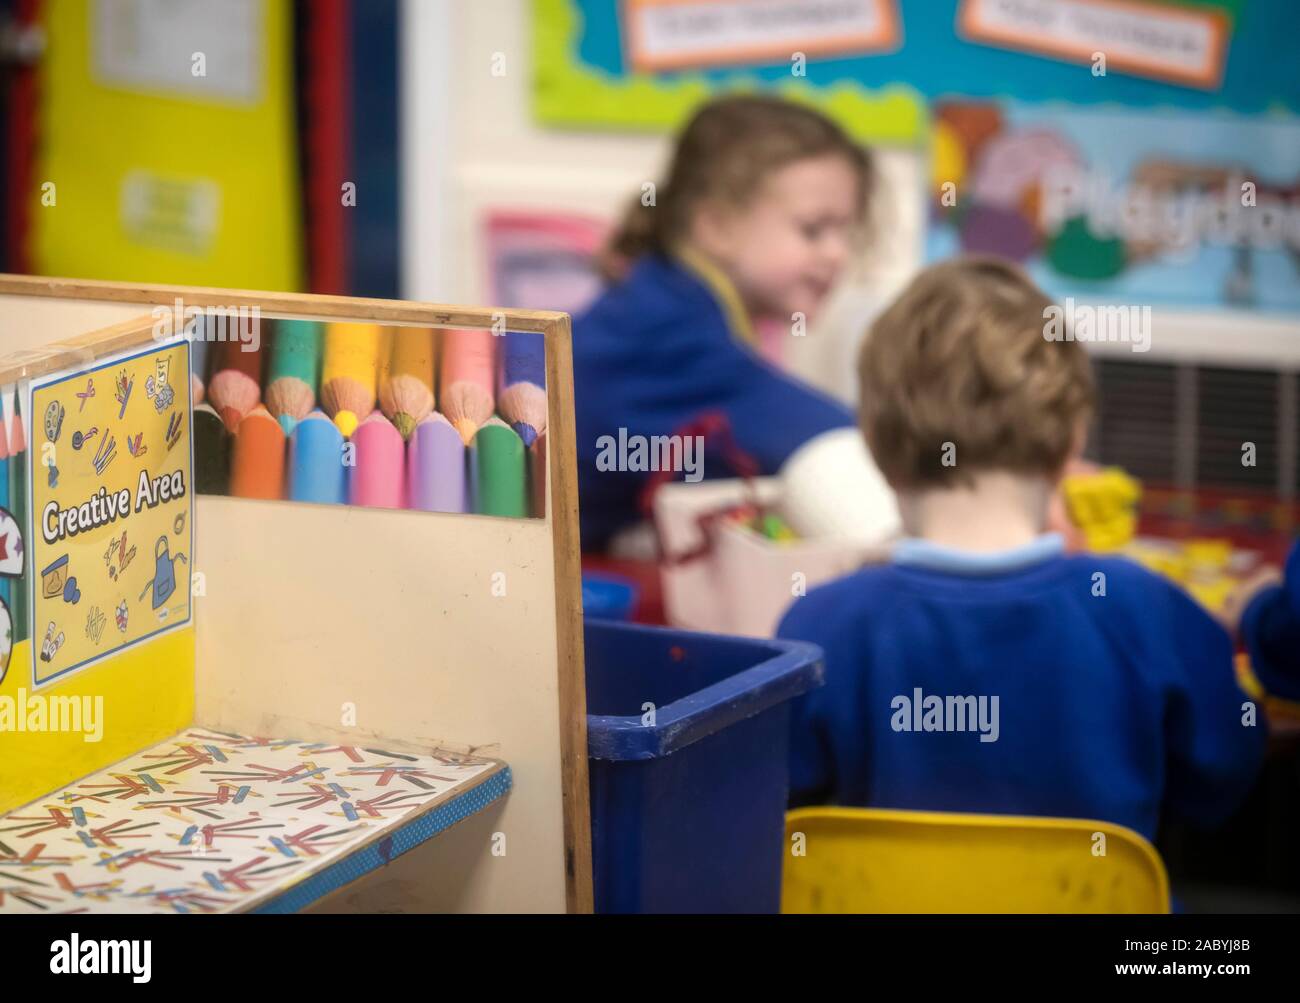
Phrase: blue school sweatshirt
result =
(1108, 707)
(1270, 630)
(658, 350)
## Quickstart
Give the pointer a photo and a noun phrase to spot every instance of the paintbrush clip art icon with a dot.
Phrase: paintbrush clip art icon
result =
(125, 384)
(105, 454)
(52, 643)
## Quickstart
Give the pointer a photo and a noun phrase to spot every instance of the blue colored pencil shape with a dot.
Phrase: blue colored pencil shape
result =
(521, 384)
(316, 471)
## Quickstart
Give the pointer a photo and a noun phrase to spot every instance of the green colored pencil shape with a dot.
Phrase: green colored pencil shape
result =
(18, 503)
(293, 374)
(500, 481)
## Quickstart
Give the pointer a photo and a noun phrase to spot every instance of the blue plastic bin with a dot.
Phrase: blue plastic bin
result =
(608, 597)
(688, 813)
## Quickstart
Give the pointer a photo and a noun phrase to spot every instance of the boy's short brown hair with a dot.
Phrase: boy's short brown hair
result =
(961, 357)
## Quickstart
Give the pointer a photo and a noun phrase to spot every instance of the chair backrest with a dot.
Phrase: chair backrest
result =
(863, 860)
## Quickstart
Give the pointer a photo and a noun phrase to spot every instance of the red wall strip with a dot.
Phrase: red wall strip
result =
(327, 142)
(20, 147)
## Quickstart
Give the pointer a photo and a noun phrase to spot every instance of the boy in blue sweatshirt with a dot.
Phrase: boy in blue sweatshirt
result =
(984, 669)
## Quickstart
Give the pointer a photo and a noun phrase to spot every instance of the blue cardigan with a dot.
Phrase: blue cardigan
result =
(657, 351)
(1108, 707)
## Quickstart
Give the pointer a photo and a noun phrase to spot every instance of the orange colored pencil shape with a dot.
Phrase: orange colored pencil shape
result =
(350, 373)
(468, 370)
(257, 460)
(406, 386)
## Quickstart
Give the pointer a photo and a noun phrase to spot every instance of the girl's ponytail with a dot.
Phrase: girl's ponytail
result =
(637, 234)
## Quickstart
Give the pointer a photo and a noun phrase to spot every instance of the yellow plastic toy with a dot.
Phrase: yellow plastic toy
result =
(1202, 566)
(1104, 506)
(868, 860)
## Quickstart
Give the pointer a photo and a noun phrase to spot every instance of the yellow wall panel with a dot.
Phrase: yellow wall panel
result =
(167, 133)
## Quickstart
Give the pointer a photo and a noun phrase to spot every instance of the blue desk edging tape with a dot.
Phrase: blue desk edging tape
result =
(420, 830)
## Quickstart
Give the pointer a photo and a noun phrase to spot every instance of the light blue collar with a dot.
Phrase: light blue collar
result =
(913, 552)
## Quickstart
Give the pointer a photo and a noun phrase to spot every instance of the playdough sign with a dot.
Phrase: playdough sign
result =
(110, 503)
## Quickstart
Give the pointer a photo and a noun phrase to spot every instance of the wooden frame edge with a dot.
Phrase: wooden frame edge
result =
(571, 661)
(305, 305)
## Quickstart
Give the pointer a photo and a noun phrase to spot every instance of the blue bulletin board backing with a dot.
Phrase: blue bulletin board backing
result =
(584, 78)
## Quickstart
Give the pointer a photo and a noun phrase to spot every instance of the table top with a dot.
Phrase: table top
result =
(209, 822)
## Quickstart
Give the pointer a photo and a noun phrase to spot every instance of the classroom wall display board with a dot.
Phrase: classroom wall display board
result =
(646, 64)
(164, 138)
(1148, 157)
(332, 707)
(876, 66)
(1167, 174)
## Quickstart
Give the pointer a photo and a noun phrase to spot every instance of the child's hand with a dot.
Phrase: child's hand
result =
(1247, 589)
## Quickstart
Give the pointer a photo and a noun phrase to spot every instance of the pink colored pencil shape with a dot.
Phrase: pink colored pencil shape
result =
(437, 466)
(468, 374)
(379, 478)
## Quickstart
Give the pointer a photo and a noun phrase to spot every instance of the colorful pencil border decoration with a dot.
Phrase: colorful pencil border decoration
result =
(293, 371)
(257, 457)
(236, 387)
(500, 479)
(352, 357)
(465, 391)
(379, 478)
(436, 467)
(13, 415)
(316, 470)
(521, 392)
(406, 386)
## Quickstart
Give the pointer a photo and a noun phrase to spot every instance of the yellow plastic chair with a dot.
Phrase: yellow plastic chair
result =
(868, 860)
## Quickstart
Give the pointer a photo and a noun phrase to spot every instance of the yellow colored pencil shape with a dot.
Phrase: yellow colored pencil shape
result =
(406, 386)
(350, 373)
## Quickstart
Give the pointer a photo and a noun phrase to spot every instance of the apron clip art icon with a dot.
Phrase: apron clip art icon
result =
(163, 582)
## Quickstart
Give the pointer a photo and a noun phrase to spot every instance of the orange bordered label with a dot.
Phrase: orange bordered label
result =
(680, 34)
(1181, 45)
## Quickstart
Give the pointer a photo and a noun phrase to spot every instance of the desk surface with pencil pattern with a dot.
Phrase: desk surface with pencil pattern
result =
(211, 822)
